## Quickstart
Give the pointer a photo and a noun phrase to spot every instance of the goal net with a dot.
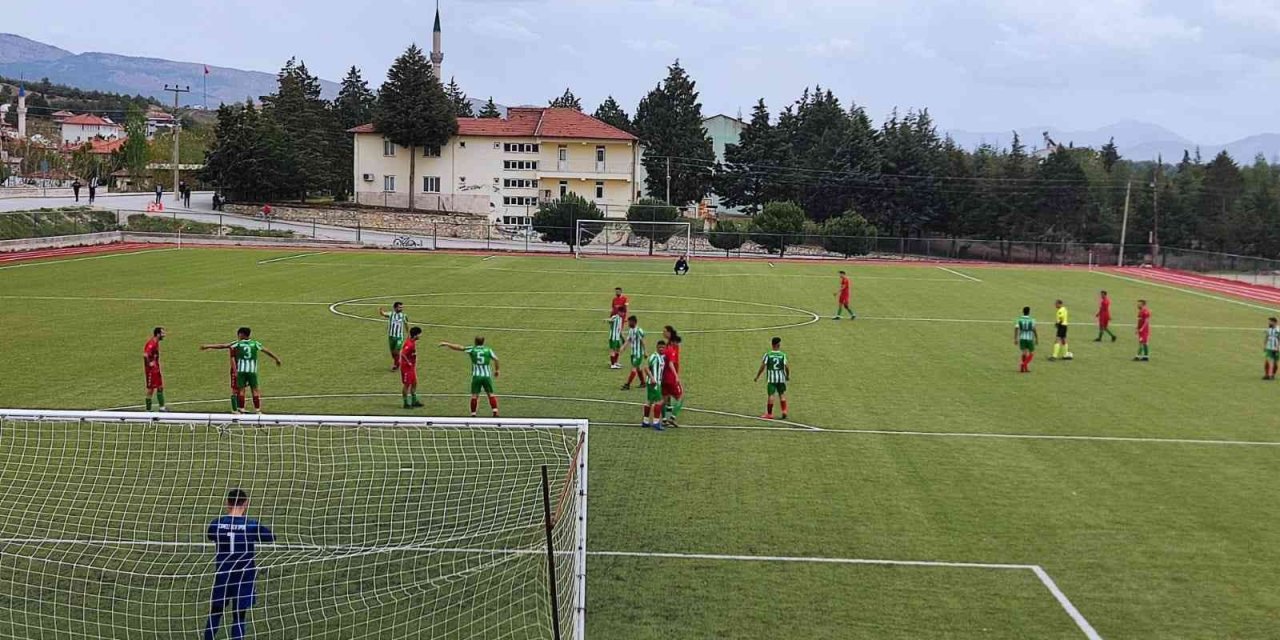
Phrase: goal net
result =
(383, 528)
(623, 237)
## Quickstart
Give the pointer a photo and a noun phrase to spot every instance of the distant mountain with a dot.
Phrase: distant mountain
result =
(23, 57)
(1136, 140)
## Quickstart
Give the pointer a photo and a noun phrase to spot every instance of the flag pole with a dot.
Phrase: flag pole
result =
(206, 88)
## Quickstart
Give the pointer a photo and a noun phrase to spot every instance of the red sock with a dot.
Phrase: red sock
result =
(257, 401)
(613, 358)
(631, 376)
(493, 403)
(243, 404)
(473, 405)
(784, 406)
(657, 411)
(646, 413)
(768, 408)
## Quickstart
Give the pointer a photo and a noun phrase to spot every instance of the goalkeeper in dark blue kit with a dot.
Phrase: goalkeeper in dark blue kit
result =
(236, 536)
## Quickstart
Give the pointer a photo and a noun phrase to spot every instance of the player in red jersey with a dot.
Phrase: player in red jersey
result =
(843, 297)
(1144, 332)
(409, 369)
(151, 367)
(619, 305)
(672, 389)
(1104, 317)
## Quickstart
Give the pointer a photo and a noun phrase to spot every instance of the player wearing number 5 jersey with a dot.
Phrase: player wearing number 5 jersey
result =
(151, 367)
(778, 368)
(245, 352)
(484, 369)
(397, 328)
(236, 537)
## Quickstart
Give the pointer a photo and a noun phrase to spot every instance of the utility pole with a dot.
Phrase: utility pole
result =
(668, 179)
(1155, 217)
(177, 124)
(1124, 224)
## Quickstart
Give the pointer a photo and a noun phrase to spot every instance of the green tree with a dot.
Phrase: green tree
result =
(355, 102)
(679, 156)
(314, 135)
(413, 110)
(848, 234)
(777, 226)
(727, 236)
(250, 157)
(490, 110)
(557, 221)
(754, 171)
(1222, 186)
(911, 161)
(458, 98)
(134, 154)
(566, 101)
(1110, 155)
(1064, 197)
(646, 211)
(611, 113)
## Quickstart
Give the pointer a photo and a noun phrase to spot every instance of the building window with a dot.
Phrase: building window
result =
(388, 183)
(519, 183)
(564, 153)
(520, 165)
(520, 147)
(599, 190)
(517, 221)
(431, 184)
(600, 153)
(564, 188)
(520, 201)
(388, 147)
(431, 151)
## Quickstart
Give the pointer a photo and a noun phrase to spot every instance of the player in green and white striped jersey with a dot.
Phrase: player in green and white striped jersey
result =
(1026, 337)
(656, 364)
(245, 352)
(635, 339)
(778, 367)
(397, 329)
(1271, 350)
(484, 369)
(615, 339)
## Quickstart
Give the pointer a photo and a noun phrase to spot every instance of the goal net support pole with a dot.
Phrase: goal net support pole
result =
(383, 527)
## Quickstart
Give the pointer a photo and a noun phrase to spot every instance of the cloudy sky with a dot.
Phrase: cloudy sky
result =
(1208, 69)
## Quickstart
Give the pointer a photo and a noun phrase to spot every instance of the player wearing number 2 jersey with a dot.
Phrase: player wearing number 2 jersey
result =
(484, 369)
(245, 353)
(236, 537)
(778, 368)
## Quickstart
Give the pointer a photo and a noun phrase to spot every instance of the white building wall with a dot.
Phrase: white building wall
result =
(83, 132)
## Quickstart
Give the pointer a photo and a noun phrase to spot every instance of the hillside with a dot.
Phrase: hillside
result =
(23, 57)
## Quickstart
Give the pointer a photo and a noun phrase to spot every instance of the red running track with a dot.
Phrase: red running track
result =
(1254, 292)
(66, 252)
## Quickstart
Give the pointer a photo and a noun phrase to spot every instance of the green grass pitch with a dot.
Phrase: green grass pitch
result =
(1148, 539)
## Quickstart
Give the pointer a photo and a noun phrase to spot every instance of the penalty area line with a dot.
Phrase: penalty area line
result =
(293, 257)
(962, 275)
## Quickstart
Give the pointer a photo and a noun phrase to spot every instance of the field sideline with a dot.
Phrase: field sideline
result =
(949, 496)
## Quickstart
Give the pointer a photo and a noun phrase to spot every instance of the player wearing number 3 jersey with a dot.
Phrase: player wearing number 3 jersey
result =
(484, 369)
(245, 353)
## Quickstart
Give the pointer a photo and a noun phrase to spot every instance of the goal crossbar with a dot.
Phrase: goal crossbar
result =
(65, 471)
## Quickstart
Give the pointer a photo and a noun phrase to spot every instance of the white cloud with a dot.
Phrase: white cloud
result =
(659, 45)
(1250, 13)
(828, 48)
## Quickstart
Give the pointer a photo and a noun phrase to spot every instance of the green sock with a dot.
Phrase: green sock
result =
(414, 397)
(838, 311)
(679, 406)
(405, 397)
(235, 403)
(148, 403)
(160, 397)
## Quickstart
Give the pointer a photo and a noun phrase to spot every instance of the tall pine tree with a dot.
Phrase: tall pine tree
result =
(611, 113)
(413, 110)
(566, 101)
(355, 102)
(679, 156)
(458, 98)
(490, 110)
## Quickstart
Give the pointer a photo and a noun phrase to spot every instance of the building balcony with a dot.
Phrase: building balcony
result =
(587, 170)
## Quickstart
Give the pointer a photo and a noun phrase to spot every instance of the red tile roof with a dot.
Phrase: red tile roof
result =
(98, 145)
(533, 122)
(89, 119)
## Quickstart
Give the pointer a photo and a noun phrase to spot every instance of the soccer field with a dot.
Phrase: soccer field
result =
(946, 495)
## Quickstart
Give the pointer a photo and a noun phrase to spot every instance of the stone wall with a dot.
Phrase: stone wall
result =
(446, 226)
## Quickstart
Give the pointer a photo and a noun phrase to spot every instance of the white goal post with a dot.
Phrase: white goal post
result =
(378, 526)
(626, 237)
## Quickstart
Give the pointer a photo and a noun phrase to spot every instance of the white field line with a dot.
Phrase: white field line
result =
(1039, 572)
(590, 272)
(487, 258)
(790, 425)
(962, 275)
(1071, 609)
(1152, 283)
(54, 260)
(572, 309)
(293, 257)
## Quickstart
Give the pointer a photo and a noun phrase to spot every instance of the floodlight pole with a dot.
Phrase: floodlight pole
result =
(1124, 225)
(177, 124)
